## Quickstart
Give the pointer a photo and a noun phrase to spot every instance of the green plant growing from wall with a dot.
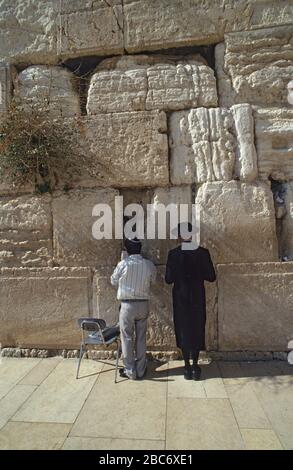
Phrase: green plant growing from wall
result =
(38, 150)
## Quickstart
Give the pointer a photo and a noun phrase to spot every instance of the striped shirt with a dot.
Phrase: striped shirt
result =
(133, 276)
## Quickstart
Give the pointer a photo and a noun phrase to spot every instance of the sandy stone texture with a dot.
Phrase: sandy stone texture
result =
(40, 307)
(73, 225)
(215, 144)
(255, 306)
(25, 231)
(274, 143)
(90, 28)
(237, 221)
(50, 86)
(255, 66)
(139, 83)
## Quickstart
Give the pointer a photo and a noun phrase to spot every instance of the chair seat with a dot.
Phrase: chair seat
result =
(110, 334)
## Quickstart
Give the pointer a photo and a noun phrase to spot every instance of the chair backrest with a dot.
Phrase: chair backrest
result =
(91, 324)
(104, 334)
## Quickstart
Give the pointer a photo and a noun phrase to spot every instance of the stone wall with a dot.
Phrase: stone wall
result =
(182, 101)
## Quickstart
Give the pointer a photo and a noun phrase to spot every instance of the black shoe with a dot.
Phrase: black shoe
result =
(122, 373)
(187, 373)
(196, 372)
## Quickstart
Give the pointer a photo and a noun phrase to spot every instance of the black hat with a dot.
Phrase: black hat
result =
(133, 246)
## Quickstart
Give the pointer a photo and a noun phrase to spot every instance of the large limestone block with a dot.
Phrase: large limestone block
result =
(54, 87)
(25, 231)
(237, 221)
(157, 249)
(73, 220)
(28, 31)
(212, 144)
(160, 333)
(90, 28)
(255, 67)
(129, 149)
(150, 25)
(138, 83)
(274, 143)
(286, 239)
(255, 306)
(39, 307)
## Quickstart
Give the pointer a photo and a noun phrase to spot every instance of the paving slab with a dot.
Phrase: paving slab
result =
(213, 382)
(41, 371)
(13, 401)
(12, 370)
(276, 398)
(246, 406)
(92, 443)
(261, 439)
(61, 396)
(196, 423)
(178, 387)
(127, 409)
(33, 436)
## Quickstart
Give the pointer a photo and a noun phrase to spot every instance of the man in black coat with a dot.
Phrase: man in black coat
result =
(187, 269)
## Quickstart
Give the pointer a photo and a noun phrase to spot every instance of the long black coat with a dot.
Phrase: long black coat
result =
(187, 270)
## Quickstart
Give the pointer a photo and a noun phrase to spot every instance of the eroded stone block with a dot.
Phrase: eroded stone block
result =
(73, 220)
(129, 149)
(255, 67)
(150, 25)
(138, 83)
(255, 306)
(25, 231)
(90, 28)
(28, 31)
(274, 143)
(212, 144)
(54, 87)
(237, 221)
(39, 307)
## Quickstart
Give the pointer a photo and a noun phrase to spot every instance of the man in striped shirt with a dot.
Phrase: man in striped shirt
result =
(133, 276)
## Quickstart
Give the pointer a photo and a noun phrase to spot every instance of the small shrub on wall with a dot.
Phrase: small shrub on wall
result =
(39, 150)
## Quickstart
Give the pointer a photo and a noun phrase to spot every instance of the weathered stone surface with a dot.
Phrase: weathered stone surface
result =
(255, 306)
(28, 31)
(39, 306)
(212, 144)
(160, 333)
(90, 28)
(237, 221)
(246, 158)
(157, 249)
(286, 238)
(7, 73)
(150, 25)
(274, 142)
(49, 86)
(74, 244)
(255, 67)
(138, 83)
(129, 149)
(7, 188)
(25, 231)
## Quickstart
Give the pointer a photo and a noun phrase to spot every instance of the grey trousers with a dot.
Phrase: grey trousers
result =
(133, 317)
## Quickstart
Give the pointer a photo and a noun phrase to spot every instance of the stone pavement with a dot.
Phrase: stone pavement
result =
(235, 406)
